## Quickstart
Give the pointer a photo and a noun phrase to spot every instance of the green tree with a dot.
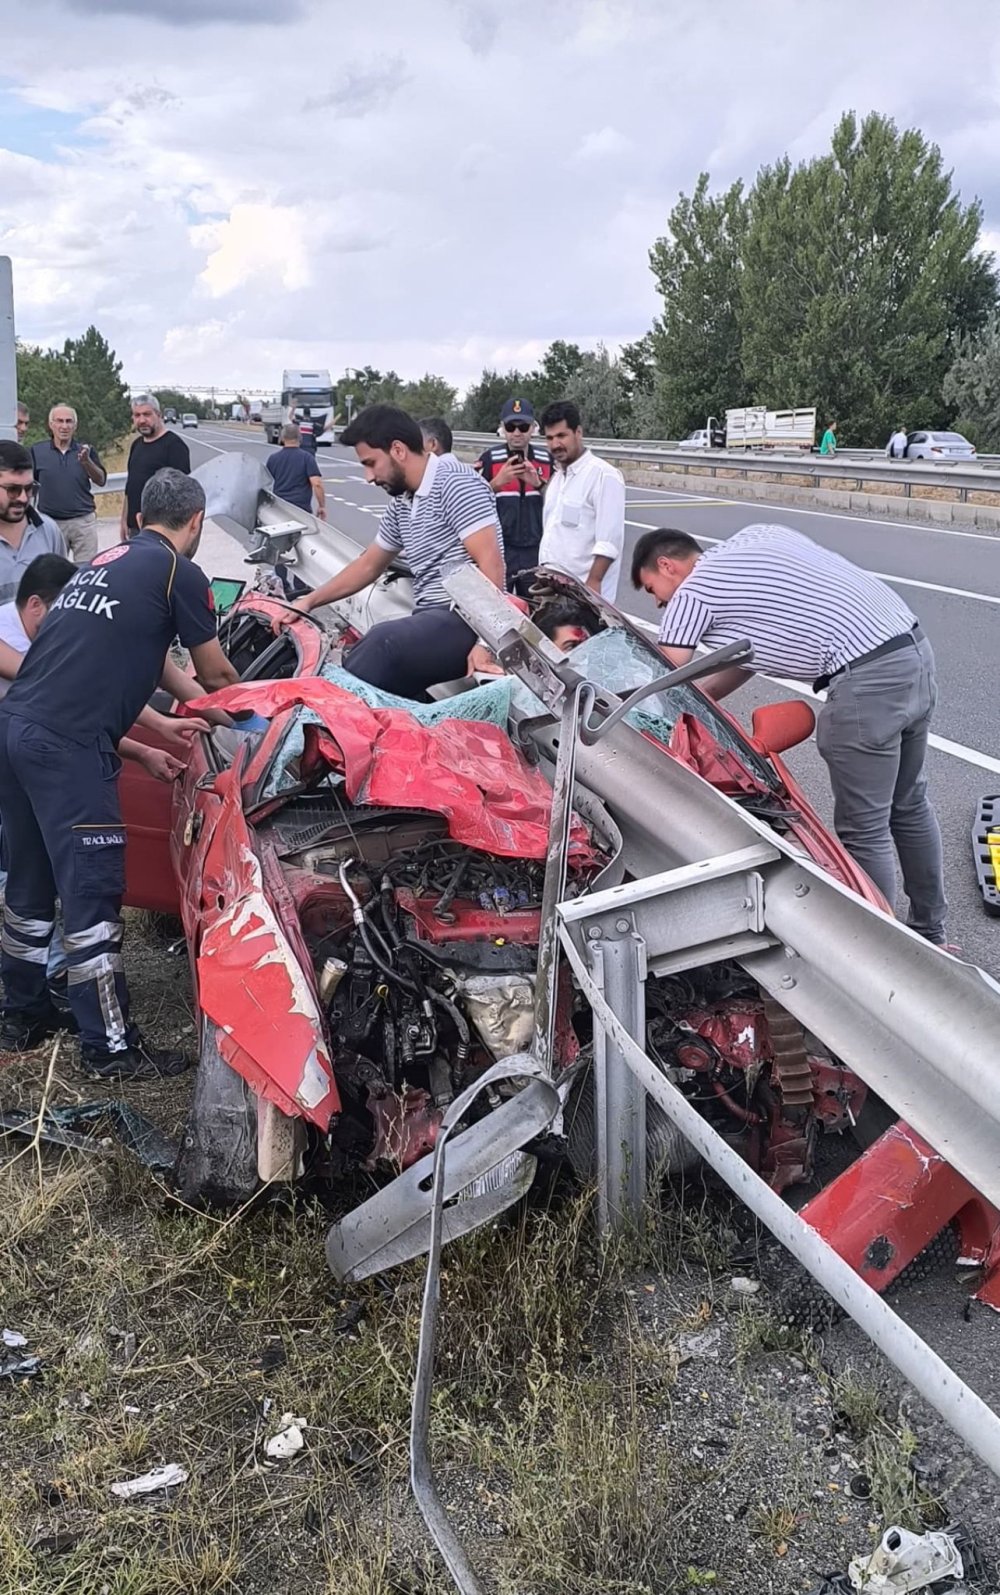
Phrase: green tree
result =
(696, 342)
(556, 374)
(430, 396)
(859, 271)
(480, 410)
(599, 388)
(44, 378)
(972, 385)
(102, 400)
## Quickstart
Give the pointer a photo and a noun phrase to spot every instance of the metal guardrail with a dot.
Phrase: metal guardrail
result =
(660, 446)
(114, 484)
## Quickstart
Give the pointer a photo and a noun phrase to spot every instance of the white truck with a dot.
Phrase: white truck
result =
(305, 395)
(755, 427)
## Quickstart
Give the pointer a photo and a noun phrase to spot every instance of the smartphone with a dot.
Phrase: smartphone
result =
(225, 593)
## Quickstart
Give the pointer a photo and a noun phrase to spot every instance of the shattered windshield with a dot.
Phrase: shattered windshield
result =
(620, 662)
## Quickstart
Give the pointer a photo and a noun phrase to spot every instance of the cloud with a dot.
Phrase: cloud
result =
(428, 190)
(597, 146)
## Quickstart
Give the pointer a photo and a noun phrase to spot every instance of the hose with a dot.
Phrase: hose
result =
(364, 931)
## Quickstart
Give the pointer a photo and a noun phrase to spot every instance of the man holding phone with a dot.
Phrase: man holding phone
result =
(517, 471)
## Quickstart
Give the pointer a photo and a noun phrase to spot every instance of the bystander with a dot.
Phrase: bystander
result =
(24, 534)
(67, 471)
(518, 471)
(23, 421)
(584, 518)
(153, 449)
(296, 474)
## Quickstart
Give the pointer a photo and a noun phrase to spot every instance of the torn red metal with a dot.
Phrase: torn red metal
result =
(251, 984)
(888, 1206)
(467, 771)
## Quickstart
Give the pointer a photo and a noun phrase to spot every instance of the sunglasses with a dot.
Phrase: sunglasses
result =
(517, 426)
(14, 490)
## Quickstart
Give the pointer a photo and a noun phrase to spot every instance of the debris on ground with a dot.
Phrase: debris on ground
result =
(741, 1286)
(14, 1339)
(903, 1562)
(289, 1439)
(701, 1343)
(20, 1367)
(164, 1478)
(67, 1127)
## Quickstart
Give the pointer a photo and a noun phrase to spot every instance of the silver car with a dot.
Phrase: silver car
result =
(938, 446)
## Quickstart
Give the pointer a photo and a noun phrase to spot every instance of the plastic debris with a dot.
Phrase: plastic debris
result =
(744, 1287)
(164, 1478)
(14, 1339)
(903, 1562)
(289, 1439)
(704, 1343)
(14, 1367)
(63, 1127)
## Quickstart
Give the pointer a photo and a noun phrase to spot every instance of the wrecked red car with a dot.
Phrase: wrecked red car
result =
(360, 888)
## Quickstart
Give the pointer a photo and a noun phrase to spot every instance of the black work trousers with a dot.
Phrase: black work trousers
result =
(408, 656)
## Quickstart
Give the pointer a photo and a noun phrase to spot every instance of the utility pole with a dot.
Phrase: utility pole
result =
(8, 353)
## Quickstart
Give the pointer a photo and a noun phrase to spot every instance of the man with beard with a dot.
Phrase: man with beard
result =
(24, 534)
(153, 449)
(584, 515)
(442, 516)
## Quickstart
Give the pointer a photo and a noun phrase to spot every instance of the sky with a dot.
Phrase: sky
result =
(229, 187)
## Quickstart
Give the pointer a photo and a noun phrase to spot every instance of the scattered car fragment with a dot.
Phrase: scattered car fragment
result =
(162, 1478)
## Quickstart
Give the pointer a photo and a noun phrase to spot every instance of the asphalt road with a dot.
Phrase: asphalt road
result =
(950, 579)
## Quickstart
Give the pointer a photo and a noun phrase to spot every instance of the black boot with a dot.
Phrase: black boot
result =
(20, 1032)
(138, 1062)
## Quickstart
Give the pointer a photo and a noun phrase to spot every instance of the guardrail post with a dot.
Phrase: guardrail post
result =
(618, 961)
(8, 353)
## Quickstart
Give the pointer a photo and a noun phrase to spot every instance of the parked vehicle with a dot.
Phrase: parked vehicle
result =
(303, 393)
(755, 427)
(189, 419)
(709, 436)
(938, 446)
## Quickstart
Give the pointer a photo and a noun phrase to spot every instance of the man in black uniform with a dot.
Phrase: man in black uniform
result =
(153, 449)
(93, 666)
(517, 471)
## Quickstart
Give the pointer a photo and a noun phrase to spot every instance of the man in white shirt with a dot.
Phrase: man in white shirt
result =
(42, 582)
(583, 527)
(896, 447)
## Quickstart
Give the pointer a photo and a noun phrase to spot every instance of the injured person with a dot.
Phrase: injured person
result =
(441, 515)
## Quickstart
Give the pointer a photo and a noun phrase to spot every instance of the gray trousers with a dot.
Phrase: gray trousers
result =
(872, 733)
(81, 537)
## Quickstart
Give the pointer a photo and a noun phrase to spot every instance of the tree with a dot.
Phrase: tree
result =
(480, 411)
(697, 340)
(972, 385)
(430, 396)
(599, 389)
(556, 374)
(859, 272)
(103, 399)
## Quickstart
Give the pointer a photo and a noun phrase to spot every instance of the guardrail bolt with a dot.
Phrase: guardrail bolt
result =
(787, 982)
(802, 889)
(622, 925)
(593, 932)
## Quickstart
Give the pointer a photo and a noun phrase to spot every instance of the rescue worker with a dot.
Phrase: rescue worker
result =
(812, 615)
(95, 662)
(518, 470)
(441, 516)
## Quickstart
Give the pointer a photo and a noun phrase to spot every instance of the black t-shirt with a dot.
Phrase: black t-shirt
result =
(144, 460)
(99, 654)
(291, 470)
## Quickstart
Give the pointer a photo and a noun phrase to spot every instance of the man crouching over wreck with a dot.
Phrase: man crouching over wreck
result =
(442, 515)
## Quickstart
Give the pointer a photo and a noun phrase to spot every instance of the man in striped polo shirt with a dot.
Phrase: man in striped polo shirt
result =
(813, 616)
(442, 515)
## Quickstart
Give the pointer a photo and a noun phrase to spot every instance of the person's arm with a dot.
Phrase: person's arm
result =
(92, 465)
(319, 493)
(10, 661)
(183, 454)
(211, 666)
(483, 546)
(715, 687)
(507, 473)
(609, 526)
(159, 763)
(172, 728)
(360, 573)
(183, 688)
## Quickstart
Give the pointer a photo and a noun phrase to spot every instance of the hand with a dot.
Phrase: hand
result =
(529, 475)
(482, 662)
(83, 452)
(321, 513)
(510, 471)
(283, 620)
(182, 730)
(162, 765)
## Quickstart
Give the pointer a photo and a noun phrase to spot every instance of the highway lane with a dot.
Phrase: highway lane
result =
(960, 624)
